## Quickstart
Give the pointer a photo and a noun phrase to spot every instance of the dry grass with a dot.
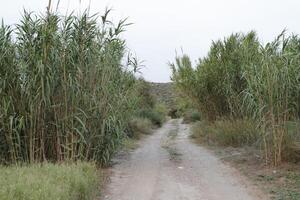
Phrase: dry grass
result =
(140, 126)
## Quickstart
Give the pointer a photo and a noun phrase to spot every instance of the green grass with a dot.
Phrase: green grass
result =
(285, 186)
(235, 133)
(49, 182)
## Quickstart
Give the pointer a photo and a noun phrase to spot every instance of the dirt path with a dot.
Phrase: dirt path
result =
(168, 166)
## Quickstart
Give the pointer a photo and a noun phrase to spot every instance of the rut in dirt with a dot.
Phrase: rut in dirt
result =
(168, 166)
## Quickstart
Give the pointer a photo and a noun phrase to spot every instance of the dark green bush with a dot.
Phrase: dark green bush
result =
(154, 116)
(196, 116)
(191, 116)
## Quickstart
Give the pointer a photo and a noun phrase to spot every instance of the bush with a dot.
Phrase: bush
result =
(191, 116)
(233, 133)
(48, 182)
(174, 113)
(149, 108)
(147, 100)
(195, 116)
(154, 116)
(139, 126)
(161, 109)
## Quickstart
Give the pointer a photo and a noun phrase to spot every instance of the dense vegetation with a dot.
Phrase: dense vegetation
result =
(151, 113)
(48, 181)
(242, 79)
(65, 92)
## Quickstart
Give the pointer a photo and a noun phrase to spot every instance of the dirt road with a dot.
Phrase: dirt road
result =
(168, 166)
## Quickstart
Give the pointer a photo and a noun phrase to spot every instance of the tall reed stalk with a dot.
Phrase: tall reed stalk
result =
(64, 91)
(241, 78)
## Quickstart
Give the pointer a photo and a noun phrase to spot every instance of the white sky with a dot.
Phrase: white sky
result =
(163, 26)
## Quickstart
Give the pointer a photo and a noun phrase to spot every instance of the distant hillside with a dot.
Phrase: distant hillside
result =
(164, 93)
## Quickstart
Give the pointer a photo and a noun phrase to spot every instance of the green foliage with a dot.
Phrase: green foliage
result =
(146, 100)
(161, 109)
(139, 126)
(149, 109)
(49, 181)
(191, 116)
(149, 113)
(195, 116)
(234, 133)
(216, 83)
(155, 117)
(272, 93)
(183, 105)
(240, 78)
(64, 92)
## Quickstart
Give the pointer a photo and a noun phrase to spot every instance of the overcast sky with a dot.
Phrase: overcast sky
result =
(163, 26)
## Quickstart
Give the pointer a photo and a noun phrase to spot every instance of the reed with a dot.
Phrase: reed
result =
(65, 93)
(241, 78)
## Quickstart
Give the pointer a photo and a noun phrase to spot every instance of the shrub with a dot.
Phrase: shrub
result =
(155, 117)
(191, 116)
(161, 109)
(139, 126)
(233, 133)
(149, 108)
(147, 100)
(48, 181)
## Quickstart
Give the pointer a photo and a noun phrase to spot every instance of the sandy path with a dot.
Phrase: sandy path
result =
(168, 166)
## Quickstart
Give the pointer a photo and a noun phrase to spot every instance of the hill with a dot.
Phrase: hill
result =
(164, 93)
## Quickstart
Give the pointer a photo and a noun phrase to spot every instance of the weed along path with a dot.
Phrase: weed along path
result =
(168, 166)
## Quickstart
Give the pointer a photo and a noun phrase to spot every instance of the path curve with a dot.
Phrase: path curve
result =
(168, 166)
